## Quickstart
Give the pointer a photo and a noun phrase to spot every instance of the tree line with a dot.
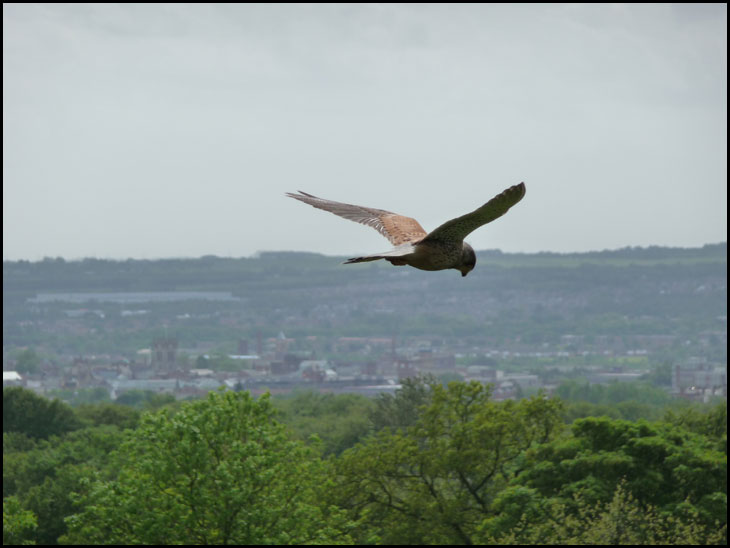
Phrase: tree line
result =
(430, 464)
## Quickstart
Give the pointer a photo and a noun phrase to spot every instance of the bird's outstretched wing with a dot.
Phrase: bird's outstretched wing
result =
(457, 229)
(397, 228)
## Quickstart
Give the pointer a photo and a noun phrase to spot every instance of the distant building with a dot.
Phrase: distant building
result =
(316, 370)
(406, 369)
(700, 382)
(243, 346)
(484, 373)
(289, 364)
(523, 380)
(12, 378)
(164, 354)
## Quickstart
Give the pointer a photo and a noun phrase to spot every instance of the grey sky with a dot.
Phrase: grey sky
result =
(152, 131)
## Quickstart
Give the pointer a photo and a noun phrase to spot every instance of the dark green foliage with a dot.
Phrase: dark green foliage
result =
(44, 475)
(145, 399)
(121, 416)
(525, 518)
(711, 423)
(18, 524)
(660, 466)
(618, 400)
(219, 471)
(430, 464)
(35, 416)
(404, 408)
(339, 421)
(82, 396)
(434, 482)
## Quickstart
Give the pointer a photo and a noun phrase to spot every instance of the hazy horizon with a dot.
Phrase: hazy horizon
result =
(255, 254)
(175, 130)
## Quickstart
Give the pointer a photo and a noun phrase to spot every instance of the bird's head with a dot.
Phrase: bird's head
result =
(468, 260)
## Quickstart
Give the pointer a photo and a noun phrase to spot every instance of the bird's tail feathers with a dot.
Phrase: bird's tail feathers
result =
(400, 251)
(363, 259)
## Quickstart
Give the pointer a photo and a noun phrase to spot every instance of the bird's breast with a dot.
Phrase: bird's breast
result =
(435, 255)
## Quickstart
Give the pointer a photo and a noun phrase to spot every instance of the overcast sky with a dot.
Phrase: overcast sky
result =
(151, 131)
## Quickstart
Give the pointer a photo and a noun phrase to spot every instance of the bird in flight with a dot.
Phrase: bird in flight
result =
(439, 249)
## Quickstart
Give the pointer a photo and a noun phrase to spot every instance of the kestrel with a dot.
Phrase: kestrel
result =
(436, 250)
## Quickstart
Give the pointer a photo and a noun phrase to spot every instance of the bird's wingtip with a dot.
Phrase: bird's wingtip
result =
(301, 193)
(520, 187)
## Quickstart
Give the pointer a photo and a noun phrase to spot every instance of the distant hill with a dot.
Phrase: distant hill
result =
(272, 267)
(528, 299)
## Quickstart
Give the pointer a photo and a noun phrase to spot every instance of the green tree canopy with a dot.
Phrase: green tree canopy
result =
(97, 414)
(434, 482)
(402, 409)
(219, 471)
(44, 474)
(339, 420)
(621, 522)
(661, 466)
(26, 412)
(18, 524)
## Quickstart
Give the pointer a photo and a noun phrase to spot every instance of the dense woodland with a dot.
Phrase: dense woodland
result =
(432, 464)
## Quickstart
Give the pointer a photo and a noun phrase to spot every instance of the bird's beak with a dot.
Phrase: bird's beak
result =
(464, 273)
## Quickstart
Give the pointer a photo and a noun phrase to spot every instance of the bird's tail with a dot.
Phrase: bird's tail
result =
(400, 251)
(363, 259)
